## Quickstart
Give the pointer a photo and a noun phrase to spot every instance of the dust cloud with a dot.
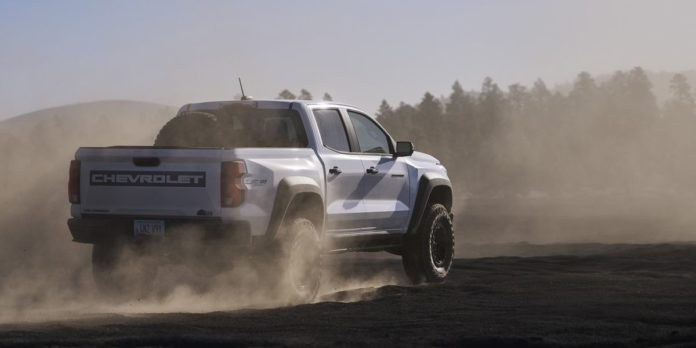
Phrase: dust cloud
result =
(528, 166)
(40, 267)
(603, 161)
(46, 276)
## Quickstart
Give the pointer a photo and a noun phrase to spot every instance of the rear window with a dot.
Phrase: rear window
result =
(234, 126)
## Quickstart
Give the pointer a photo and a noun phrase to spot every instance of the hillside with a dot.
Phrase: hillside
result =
(84, 111)
(45, 140)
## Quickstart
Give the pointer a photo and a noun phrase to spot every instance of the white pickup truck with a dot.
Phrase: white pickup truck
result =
(291, 180)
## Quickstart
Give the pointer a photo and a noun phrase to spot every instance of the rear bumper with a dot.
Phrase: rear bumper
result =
(98, 229)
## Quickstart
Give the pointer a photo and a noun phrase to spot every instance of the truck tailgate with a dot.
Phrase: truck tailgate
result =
(148, 181)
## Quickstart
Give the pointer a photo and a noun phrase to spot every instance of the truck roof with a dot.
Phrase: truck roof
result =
(267, 103)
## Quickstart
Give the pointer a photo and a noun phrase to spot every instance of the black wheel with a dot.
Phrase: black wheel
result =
(296, 271)
(121, 272)
(190, 129)
(428, 254)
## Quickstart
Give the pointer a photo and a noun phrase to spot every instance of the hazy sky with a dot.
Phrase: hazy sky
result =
(173, 52)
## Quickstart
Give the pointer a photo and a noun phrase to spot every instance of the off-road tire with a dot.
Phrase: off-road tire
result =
(190, 129)
(296, 264)
(429, 252)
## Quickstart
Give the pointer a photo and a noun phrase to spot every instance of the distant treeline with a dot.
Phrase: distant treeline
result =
(599, 137)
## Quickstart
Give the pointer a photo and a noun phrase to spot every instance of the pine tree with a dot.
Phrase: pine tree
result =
(642, 100)
(403, 125)
(458, 102)
(459, 113)
(385, 111)
(430, 106)
(679, 127)
(388, 119)
(429, 123)
(629, 105)
(286, 94)
(518, 98)
(540, 95)
(491, 104)
(584, 90)
(305, 95)
(327, 97)
(681, 104)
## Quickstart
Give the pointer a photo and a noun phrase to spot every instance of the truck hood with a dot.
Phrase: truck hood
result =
(424, 157)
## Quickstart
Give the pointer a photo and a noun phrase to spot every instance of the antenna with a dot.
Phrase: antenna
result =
(244, 97)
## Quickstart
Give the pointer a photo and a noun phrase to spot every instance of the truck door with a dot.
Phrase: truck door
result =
(386, 196)
(344, 172)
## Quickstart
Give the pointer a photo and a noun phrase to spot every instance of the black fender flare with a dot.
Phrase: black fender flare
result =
(290, 188)
(426, 185)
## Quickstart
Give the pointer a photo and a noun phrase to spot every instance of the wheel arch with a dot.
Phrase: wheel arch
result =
(431, 189)
(296, 196)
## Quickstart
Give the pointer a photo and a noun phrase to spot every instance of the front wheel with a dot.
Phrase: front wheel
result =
(429, 252)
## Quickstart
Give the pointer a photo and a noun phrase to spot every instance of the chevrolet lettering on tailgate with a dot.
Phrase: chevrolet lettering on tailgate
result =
(133, 178)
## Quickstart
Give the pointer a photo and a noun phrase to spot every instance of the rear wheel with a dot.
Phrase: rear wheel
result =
(428, 254)
(296, 263)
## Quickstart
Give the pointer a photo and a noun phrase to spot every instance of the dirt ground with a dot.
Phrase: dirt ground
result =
(603, 295)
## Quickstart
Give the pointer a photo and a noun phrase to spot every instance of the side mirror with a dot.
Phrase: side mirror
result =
(403, 148)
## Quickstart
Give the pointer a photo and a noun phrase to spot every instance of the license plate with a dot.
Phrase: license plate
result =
(148, 228)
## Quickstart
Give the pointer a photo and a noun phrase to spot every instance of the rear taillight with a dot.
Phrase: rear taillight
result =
(231, 186)
(74, 182)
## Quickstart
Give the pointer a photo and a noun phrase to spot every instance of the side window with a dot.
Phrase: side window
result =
(370, 137)
(332, 129)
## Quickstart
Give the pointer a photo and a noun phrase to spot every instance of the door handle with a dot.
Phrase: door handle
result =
(372, 170)
(335, 170)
